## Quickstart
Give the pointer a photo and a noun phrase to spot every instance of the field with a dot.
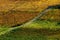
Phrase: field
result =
(37, 30)
(14, 12)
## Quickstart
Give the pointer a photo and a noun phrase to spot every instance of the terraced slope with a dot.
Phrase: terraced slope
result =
(53, 15)
(14, 18)
(14, 12)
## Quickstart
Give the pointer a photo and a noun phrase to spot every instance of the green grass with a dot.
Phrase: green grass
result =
(43, 24)
(28, 34)
(37, 30)
(21, 34)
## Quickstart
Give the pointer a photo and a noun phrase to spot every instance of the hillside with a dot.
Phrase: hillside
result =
(24, 5)
(14, 12)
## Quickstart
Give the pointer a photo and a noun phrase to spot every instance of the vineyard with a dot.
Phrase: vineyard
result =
(16, 15)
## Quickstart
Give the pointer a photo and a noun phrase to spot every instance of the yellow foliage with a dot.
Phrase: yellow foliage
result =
(19, 8)
(52, 15)
(30, 5)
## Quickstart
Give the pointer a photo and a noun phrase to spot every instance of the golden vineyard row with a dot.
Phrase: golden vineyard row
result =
(13, 12)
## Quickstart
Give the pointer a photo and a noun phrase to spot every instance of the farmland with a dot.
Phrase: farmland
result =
(13, 12)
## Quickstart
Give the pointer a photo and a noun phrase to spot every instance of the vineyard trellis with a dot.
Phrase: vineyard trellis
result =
(42, 13)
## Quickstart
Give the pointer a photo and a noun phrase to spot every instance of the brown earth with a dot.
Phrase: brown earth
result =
(14, 18)
(18, 17)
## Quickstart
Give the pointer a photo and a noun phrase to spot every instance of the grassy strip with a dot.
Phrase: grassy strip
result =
(36, 24)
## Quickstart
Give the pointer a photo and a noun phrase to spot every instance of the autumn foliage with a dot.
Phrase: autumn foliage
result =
(14, 12)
